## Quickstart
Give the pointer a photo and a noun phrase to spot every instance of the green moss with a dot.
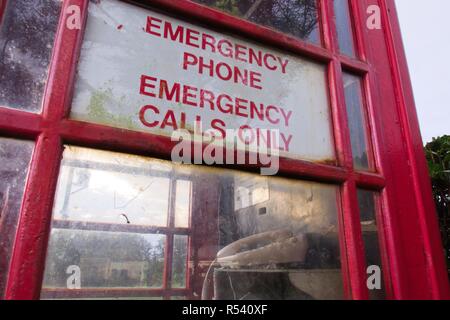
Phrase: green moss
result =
(98, 110)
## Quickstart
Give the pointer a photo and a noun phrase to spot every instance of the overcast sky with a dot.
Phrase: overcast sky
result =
(426, 35)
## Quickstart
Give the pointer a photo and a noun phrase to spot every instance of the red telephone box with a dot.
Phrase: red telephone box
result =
(93, 207)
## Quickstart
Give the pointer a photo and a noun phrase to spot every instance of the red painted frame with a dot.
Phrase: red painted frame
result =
(414, 269)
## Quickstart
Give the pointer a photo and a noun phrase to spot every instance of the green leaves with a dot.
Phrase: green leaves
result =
(438, 157)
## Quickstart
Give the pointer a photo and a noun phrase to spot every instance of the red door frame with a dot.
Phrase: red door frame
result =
(412, 253)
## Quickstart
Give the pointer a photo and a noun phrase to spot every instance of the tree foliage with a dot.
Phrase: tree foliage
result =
(438, 157)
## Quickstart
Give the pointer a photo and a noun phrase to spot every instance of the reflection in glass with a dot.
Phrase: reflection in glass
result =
(116, 192)
(183, 203)
(250, 237)
(15, 157)
(295, 17)
(344, 27)
(366, 200)
(356, 120)
(105, 259)
(27, 32)
(180, 250)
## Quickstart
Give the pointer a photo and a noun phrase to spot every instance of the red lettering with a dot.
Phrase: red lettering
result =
(189, 59)
(240, 52)
(145, 84)
(150, 24)
(286, 116)
(246, 140)
(268, 116)
(187, 94)
(208, 40)
(219, 125)
(209, 66)
(174, 36)
(286, 141)
(169, 120)
(254, 110)
(240, 106)
(206, 96)
(228, 105)
(266, 62)
(224, 66)
(255, 57)
(164, 91)
(142, 116)
(255, 80)
(228, 50)
(239, 76)
(283, 64)
(192, 35)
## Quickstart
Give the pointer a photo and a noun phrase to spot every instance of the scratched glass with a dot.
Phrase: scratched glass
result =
(197, 74)
(357, 121)
(27, 32)
(367, 208)
(112, 190)
(242, 236)
(344, 27)
(15, 158)
(295, 17)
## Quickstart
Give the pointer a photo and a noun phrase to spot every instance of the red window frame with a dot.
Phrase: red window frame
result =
(408, 223)
(166, 290)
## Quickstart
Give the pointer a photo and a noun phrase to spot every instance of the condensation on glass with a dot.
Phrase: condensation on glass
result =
(242, 236)
(370, 230)
(299, 18)
(197, 74)
(344, 27)
(357, 121)
(15, 158)
(27, 32)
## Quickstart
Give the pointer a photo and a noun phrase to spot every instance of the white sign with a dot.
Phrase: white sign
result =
(145, 71)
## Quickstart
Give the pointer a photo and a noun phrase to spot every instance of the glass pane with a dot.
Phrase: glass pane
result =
(180, 250)
(15, 157)
(252, 237)
(295, 17)
(122, 191)
(366, 200)
(356, 120)
(105, 259)
(344, 27)
(233, 84)
(27, 33)
(183, 203)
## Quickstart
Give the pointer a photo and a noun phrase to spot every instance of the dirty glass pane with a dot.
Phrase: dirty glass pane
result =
(27, 32)
(121, 190)
(356, 120)
(197, 74)
(295, 17)
(183, 203)
(180, 250)
(366, 200)
(251, 237)
(15, 157)
(344, 27)
(105, 259)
